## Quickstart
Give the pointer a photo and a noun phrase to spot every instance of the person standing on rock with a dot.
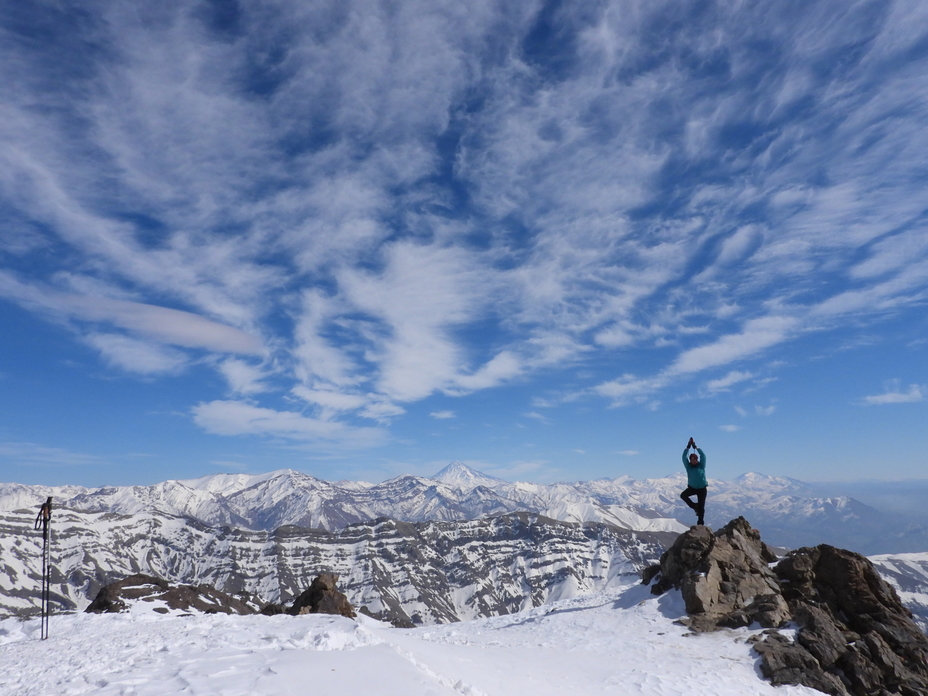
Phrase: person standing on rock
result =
(697, 485)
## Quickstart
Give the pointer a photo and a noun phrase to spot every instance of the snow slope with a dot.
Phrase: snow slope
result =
(908, 574)
(619, 642)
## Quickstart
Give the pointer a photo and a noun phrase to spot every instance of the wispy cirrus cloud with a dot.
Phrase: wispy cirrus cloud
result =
(359, 208)
(724, 383)
(895, 394)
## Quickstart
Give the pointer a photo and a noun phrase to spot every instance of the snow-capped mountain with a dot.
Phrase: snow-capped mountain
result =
(286, 497)
(789, 511)
(908, 573)
(427, 572)
(459, 475)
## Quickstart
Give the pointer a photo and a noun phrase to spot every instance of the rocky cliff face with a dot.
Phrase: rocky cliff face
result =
(429, 572)
(854, 635)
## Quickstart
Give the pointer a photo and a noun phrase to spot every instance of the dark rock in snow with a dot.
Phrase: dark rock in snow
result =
(855, 636)
(853, 623)
(649, 573)
(146, 588)
(323, 597)
(395, 620)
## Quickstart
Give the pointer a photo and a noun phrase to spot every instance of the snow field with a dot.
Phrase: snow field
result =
(622, 642)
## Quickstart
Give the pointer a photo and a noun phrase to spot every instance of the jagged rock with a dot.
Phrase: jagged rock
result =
(322, 597)
(204, 598)
(724, 577)
(853, 622)
(855, 637)
(819, 635)
(785, 662)
(110, 598)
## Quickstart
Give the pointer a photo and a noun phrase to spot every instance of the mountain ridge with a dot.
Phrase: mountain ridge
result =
(791, 513)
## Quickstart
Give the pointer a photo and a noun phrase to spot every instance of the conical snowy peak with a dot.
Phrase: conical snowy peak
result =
(459, 475)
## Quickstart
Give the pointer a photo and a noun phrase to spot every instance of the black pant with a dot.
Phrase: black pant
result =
(700, 505)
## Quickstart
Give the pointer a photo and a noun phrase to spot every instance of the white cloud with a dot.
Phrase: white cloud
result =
(757, 335)
(243, 418)
(723, 383)
(629, 453)
(442, 415)
(628, 387)
(330, 399)
(318, 360)
(243, 377)
(740, 245)
(500, 368)
(423, 292)
(765, 410)
(382, 411)
(730, 428)
(166, 325)
(894, 395)
(137, 356)
(160, 324)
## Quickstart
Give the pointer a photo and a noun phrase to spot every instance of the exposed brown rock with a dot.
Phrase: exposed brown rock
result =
(203, 598)
(855, 638)
(724, 577)
(322, 597)
(853, 622)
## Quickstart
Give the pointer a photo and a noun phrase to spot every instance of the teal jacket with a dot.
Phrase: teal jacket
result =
(695, 475)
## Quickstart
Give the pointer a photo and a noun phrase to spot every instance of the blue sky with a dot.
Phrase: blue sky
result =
(550, 239)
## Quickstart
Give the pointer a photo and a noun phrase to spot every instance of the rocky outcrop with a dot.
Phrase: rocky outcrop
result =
(855, 637)
(725, 578)
(117, 596)
(323, 597)
(852, 624)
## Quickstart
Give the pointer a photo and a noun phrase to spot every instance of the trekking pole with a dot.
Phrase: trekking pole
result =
(44, 518)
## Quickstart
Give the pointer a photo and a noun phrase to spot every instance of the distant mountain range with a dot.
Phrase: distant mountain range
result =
(790, 512)
(454, 546)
